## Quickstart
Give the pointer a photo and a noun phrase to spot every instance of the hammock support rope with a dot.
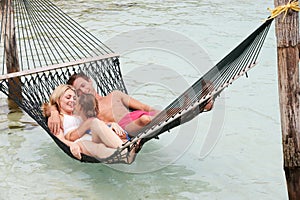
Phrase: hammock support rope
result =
(291, 5)
(51, 47)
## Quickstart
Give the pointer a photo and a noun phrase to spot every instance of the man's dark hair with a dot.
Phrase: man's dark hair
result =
(75, 76)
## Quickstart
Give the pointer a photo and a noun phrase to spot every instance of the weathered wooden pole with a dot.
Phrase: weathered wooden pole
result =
(287, 33)
(11, 53)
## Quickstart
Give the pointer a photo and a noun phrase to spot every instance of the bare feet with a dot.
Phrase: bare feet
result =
(134, 149)
(209, 105)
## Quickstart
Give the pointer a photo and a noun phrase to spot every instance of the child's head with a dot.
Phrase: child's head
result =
(88, 105)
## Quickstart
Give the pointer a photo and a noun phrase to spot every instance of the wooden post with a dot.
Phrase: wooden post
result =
(287, 33)
(11, 53)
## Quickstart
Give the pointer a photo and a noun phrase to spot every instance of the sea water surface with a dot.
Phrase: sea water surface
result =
(232, 152)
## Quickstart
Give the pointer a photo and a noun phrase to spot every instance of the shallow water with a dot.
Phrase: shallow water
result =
(233, 152)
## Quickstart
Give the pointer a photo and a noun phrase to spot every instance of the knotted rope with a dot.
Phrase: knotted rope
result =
(294, 5)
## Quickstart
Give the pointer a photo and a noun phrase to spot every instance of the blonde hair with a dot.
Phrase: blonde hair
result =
(54, 98)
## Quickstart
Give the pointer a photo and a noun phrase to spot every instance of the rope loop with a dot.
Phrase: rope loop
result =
(291, 5)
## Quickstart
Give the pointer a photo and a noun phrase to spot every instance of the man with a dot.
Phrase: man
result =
(115, 107)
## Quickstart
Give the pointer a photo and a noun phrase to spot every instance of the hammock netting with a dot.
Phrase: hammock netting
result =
(42, 47)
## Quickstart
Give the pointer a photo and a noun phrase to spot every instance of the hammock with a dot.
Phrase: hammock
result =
(43, 47)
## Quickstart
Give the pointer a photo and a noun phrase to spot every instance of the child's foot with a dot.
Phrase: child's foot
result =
(134, 149)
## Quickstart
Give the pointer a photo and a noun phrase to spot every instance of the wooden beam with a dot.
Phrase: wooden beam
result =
(10, 48)
(287, 33)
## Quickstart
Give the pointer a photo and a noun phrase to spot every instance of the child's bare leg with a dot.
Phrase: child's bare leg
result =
(101, 133)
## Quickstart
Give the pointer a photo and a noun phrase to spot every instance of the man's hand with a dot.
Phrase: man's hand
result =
(54, 122)
(117, 129)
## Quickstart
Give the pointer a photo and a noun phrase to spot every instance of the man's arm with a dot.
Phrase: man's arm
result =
(133, 103)
(54, 122)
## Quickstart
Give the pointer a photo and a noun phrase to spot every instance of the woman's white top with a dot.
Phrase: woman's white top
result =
(70, 123)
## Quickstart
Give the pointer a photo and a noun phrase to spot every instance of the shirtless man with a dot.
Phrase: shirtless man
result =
(115, 107)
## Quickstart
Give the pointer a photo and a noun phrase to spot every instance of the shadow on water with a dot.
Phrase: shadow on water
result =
(33, 163)
(99, 180)
(14, 118)
(14, 115)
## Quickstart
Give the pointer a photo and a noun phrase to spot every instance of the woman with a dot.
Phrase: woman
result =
(84, 135)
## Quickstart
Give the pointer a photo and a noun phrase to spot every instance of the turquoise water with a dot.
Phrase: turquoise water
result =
(233, 152)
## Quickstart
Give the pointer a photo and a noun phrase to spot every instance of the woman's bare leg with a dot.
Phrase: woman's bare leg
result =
(99, 150)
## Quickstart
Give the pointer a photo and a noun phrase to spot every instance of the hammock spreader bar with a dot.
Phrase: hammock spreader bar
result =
(51, 47)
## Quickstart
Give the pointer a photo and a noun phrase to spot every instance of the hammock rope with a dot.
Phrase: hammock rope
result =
(51, 47)
(234, 65)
